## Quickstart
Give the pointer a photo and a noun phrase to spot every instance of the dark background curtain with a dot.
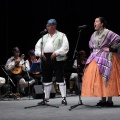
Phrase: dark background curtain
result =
(23, 20)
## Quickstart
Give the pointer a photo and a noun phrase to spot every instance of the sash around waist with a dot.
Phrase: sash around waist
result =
(58, 58)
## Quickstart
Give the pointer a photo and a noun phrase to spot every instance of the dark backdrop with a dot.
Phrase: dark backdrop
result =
(22, 21)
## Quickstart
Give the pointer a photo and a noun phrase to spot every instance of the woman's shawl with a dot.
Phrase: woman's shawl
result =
(103, 58)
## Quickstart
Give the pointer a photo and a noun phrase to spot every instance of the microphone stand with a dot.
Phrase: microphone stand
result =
(43, 102)
(75, 51)
(79, 91)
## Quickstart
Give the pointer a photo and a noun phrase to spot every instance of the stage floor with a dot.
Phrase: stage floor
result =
(11, 109)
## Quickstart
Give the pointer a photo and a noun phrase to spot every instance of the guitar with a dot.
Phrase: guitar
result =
(36, 73)
(18, 68)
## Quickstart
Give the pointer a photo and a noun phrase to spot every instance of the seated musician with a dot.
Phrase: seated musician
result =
(32, 59)
(17, 68)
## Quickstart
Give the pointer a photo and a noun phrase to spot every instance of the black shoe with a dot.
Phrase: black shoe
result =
(64, 101)
(109, 104)
(43, 102)
(102, 104)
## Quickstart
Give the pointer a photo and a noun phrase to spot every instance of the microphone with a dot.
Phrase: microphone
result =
(44, 31)
(82, 26)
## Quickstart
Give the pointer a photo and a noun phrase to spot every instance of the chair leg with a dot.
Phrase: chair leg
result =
(18, 91)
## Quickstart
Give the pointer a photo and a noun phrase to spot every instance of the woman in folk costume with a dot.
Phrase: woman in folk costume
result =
(102, 71)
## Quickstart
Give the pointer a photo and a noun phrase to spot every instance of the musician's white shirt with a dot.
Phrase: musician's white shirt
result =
(10, 64)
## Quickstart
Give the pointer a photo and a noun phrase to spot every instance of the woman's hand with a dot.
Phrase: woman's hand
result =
(106, 49)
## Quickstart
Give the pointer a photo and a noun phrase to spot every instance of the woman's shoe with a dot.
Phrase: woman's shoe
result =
(100, 103)
(109, 104)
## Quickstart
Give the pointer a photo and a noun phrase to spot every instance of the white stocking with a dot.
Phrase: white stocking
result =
(62, 87)
(47, 90)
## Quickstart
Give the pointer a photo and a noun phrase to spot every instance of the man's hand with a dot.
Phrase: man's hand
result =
(17, 61)
(43, 56)
(53, 55)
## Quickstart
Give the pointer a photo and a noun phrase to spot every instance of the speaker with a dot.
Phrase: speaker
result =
(37, 92)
